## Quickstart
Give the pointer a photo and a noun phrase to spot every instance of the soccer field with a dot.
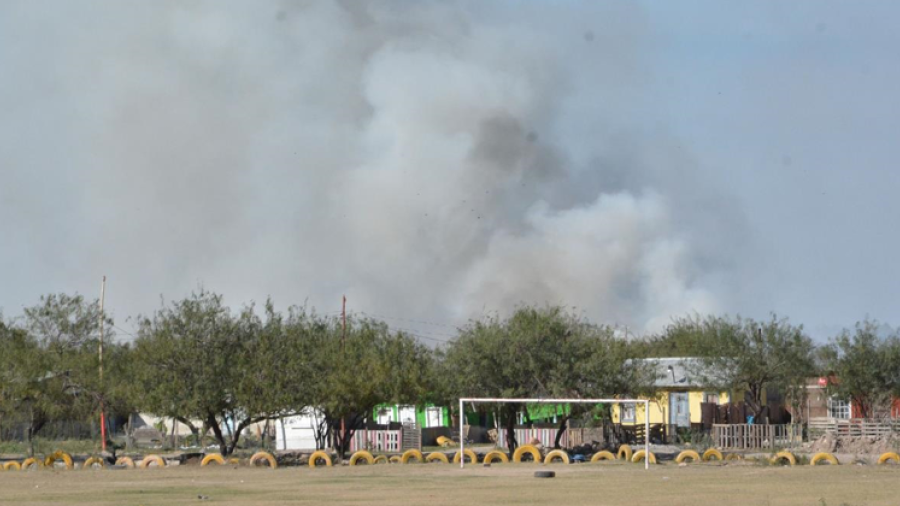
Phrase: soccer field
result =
(610, 483)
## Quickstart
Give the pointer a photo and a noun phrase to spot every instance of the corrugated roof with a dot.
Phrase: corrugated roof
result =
(677, 372)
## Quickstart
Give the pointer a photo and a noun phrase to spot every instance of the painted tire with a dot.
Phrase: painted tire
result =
(396, 459)
(473, 457)
(437, 457)
(149, 459)
(787, 456)
(319, 455)
(639, 456)
(823, 456)
(88, 464)
(29, 462)
(444, 441)
(381, 459)
(624, 453)
(125, 461)
(12, 466)
(712, 453)
(603, 455)
(496, 456)
(362, 455)
(885, 457)
(530, 450)
(410, 455)
(259, 457)
(212, 457)
(59, 456)
(687, 454)
(556, 454)
(733, 456)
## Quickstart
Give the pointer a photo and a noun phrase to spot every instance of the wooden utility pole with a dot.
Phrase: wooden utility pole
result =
(102, 390)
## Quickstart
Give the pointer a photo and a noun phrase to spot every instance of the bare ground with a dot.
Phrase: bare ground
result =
(438, 484)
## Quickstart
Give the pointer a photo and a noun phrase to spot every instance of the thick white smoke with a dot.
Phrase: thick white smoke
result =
(430, 160)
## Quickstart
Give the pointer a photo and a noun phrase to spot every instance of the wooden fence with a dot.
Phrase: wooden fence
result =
(744, 436)
(853, 427)
(376, 440)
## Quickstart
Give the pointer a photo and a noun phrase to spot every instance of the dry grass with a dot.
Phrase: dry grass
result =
(436, 484)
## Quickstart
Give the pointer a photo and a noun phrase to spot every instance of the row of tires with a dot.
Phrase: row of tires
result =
(64, 458)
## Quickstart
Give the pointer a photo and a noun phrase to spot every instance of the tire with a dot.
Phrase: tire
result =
(212, 457)
(437, 457)
(602, 455)
(496, 456)
(712, 453)
(319, 454)
(381, 459)
(687, 454)
(624, 453)
(733, 457)
(149, 459)
(522, 450)
(545, 474)
(786, 456)
(88, 464)
(29, 462)
(362, 455)
(396, 459)
(59, 456)
(263, 457)
(444, 441)
(823, 456)
(125, 461)
(472, 456)
(885, 457)
(639, 456)
(412, 454)
(556, 454)
(12, 466)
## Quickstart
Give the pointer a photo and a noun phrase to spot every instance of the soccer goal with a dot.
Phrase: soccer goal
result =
(473, 401)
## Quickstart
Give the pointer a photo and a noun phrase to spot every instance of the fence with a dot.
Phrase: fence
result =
(853, 427)
(376, 440)
(744, 436)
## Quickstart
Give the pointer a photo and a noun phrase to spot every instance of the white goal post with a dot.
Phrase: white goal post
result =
(473, 400)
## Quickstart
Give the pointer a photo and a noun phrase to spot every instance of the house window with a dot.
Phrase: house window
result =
(628, 412)
(838, 408)
(712, 398)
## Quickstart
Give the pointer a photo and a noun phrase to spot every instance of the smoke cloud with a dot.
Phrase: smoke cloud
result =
(432, 161)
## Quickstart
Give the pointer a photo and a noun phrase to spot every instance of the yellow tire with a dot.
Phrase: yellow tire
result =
(733, 457)
(212, 457)
(624, 453)
(31, 462)
(783, 456)
(12, 466)
(711, 454)
(59, 456)
(496, 455)
(89, 463)
(410, 455)
(472, 456)
(396, 459)
(885, 457)
(823, 456)
(381, 459)
(437, 457)
(526, 449)
(152, 459)
(603, 455)
(639, 456)
(319, 455)
(687, 454)
(260, 457)
(125, 461)
(362, 455)
(556, 454)
(444, 441)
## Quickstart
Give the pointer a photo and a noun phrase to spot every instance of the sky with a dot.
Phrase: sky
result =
(437, 162)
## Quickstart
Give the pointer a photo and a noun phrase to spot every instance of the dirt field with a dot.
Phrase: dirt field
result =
(601, 484)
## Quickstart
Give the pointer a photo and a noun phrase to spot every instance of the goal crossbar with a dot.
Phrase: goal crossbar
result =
(487, 400)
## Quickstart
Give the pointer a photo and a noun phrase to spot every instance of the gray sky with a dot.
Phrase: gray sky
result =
(435, 162)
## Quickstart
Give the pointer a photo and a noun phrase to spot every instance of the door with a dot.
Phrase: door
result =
(433, 417)
(679, 409)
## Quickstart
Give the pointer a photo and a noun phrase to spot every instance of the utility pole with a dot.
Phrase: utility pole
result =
(102, 390)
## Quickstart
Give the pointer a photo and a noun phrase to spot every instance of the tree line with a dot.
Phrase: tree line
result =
(205, 364)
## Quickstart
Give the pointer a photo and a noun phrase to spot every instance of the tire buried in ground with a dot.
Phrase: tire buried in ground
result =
(712, 453)
(31, 463)
(639, 456)
(556, 454)
(783, 457)
(437, 457)
(526, 449)
(212, 457)
(381, 459)
(12, 466)
(823, 456)
(602, 455)
(395, 459)
(125, 461)
(59, 456)
(152, 459)
(362, 455)
(687, 454)
(496, 456)
(472, 456)
(889, 456)
(624, 453)
(731, 457)
(89, 463)
(319, 455)
(263, 457)
(412, 455)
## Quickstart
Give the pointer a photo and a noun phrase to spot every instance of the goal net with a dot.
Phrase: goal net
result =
(622, 403)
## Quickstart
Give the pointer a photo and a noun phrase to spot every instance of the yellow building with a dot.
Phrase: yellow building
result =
(677, 399)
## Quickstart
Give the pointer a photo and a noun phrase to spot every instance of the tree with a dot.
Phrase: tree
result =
(863, 367)
(745, 355)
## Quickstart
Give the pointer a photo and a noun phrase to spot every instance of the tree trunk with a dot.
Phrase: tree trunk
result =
(563, 424)
(511, 442)
(217, 433)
